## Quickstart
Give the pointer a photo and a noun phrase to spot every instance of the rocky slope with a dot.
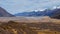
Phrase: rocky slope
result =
(56, 13)
(4, 13)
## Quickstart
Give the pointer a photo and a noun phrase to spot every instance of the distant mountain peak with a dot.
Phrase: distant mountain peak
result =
(55, 13)
(56, 7)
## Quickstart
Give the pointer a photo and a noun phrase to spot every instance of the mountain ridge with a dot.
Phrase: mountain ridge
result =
(4, 13)
(47, 12)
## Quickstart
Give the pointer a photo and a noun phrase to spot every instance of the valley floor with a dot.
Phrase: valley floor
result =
(29, 28)
(29, 25)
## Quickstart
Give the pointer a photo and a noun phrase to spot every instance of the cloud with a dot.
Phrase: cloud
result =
(16, 6)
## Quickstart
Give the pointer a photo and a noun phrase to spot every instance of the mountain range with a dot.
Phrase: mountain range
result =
(54, 13)
(32, 13)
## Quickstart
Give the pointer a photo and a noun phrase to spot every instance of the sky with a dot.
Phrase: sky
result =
(17, 6)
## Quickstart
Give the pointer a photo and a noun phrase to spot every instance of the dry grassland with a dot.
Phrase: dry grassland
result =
(29, 25)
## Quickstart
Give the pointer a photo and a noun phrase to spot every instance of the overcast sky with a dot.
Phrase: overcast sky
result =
(16, 6)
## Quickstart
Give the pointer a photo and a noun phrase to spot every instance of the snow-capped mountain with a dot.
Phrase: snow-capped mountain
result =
(47, 12)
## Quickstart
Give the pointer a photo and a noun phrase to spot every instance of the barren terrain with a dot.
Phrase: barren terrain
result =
(29, 25)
